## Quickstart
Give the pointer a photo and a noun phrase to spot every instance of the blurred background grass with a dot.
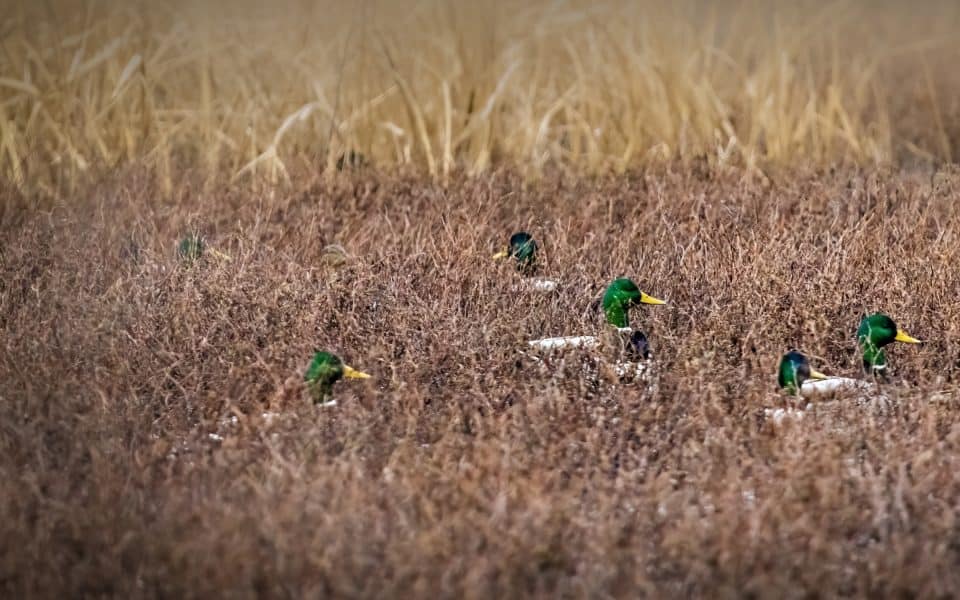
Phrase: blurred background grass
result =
(253, 90)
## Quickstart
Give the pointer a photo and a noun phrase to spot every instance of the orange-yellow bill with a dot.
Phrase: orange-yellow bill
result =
(903, 336)
(351, 373)
(647, 299)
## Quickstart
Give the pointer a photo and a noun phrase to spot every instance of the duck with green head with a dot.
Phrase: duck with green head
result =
(622, 295)
(875, 332)
(795, 370)
(522, 249)
(796, 377)
(326, 369)
(631, 344)
(192, 247)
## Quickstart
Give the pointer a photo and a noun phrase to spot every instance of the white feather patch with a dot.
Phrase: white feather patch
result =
(539, 284)
(832, 385)
(630, 369)
(557, 343)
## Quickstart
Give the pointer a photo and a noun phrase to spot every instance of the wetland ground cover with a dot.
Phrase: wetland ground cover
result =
(157, 438)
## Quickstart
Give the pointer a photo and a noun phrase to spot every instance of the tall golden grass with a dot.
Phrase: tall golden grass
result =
(439, 86)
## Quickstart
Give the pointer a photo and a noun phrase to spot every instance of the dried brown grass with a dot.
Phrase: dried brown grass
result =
(460, 470)
(441, 87)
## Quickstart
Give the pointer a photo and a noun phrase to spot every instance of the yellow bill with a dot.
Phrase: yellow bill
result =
(501, 254)
(817, 375)
(220, 255)
(647, 299)
(903, 336)
(351, 373)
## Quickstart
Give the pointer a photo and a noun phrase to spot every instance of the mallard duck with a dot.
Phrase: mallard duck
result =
(192, 247)
(795, 372)
(875, 332)
(326, 369)
(798, 378)
(523, 249)
(621, 295)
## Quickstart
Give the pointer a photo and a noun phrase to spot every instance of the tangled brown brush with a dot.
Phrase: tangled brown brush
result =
(156, 438)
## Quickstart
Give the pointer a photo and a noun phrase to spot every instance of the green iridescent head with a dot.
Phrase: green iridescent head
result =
(523, 249)
(620, 297)
(875, 332)
(794, 370)
(191, 247)
(326, 369)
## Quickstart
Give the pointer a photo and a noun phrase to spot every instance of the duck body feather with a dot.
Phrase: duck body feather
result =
(624, 369)
(565, 342)
(541, 284)
(813, 388)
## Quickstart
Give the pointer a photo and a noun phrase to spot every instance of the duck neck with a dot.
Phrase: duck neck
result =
(787, 378)
(874, 359)
(616, 314)
(321, 391)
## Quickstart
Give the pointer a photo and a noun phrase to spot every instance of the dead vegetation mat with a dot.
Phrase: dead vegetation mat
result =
(156, 440)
